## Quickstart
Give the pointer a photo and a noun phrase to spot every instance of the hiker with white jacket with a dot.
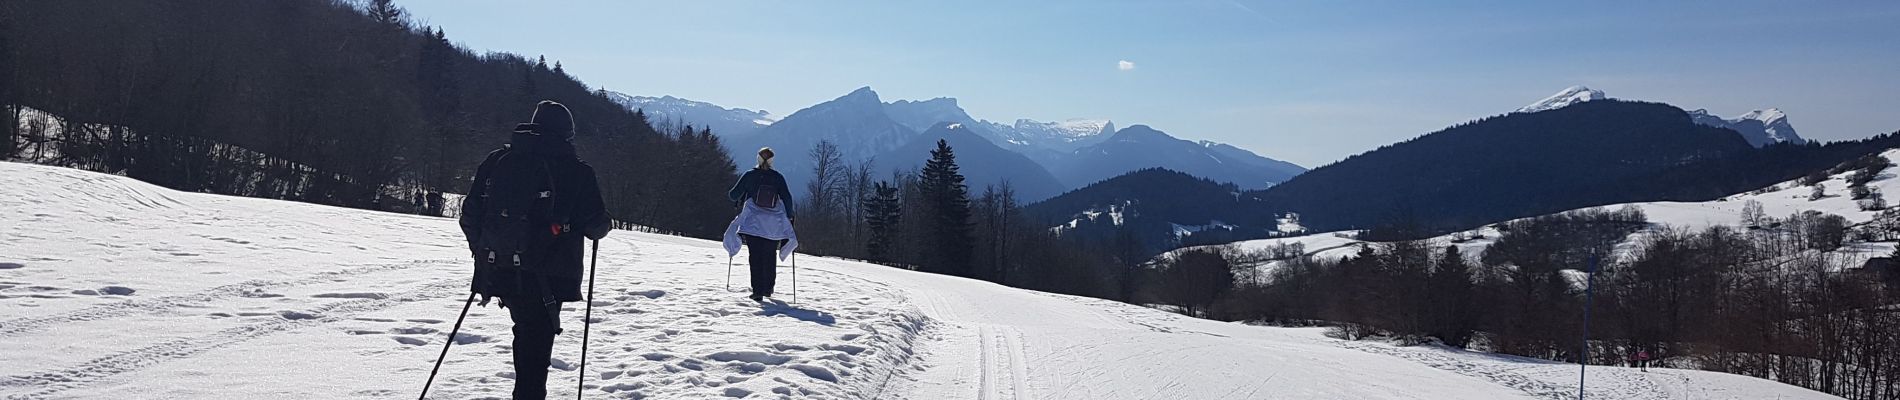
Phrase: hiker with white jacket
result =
(764, 223)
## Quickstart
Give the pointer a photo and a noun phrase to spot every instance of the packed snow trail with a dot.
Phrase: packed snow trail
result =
(114, 288)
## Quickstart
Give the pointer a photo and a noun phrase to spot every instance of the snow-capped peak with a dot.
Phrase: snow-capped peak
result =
(1070, 129)
(1570, 95)
(722, 120)
(1759, 127)
(1768, 116)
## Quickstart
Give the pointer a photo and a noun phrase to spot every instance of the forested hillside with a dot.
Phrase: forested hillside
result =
(1484, 171)
(316, 100)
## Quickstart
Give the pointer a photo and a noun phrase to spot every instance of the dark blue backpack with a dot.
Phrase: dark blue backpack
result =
(517, 207)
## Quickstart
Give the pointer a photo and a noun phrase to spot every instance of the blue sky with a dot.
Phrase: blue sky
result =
(1304, 82)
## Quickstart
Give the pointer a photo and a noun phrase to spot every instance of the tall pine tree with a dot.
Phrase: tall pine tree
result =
(882, 214)
(948, 219)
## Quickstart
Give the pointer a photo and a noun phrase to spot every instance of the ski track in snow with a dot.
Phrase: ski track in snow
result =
(1503, 374)
(50, 382)
(181, 295)
(206, 298)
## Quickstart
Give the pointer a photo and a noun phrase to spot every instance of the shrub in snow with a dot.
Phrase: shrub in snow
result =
(1873, 201)
(1752, 214)
(1813, 178)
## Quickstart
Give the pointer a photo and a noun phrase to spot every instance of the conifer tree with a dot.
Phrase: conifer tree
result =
(882, 214)
(948, 219)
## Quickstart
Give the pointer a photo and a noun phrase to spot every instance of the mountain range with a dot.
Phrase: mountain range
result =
(1760, 127)
(1577, 148)
(669, 109)
(1074, 152)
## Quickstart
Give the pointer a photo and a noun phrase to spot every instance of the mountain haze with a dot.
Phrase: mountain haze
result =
(1074, 152)
(981, 162)
(1141, 147)
(725, 122)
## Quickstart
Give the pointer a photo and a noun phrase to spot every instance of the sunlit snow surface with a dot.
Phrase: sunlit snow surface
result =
(111, 288)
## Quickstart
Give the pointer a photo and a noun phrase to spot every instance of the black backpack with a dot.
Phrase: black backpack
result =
(518, 202)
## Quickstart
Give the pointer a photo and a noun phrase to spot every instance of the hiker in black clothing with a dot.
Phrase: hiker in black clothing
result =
(434, 203)
(764, 223)
(558, 202)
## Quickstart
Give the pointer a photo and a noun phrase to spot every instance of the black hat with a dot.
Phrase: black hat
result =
(550, 119)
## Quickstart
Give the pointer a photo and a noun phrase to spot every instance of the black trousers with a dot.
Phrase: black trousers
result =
(762, 253)
(535, 327)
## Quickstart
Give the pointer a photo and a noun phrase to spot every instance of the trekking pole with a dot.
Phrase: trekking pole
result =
(728, 273)
(445, 347)
(587, 321)
(794, 278)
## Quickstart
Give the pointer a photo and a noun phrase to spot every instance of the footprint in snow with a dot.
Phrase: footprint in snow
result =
(750, 356)
(414, 331)
(297, 315)
(106, 291)
(410, 341)
(624, 386)
(12, 265)
(752, 367)
(470, 338)
(816, 372)
(350, 296)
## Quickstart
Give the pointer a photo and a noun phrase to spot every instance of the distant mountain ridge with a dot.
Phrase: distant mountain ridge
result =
(1075, 152)
(1145, 147)
(1564, 98)
(726, 122)
(1759, 127)
(982, 163)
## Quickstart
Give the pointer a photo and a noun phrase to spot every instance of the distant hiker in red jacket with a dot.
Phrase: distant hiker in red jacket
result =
(1641, 360)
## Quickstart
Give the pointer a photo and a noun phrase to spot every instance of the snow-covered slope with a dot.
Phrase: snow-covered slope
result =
(112, 288)
(1566, 97)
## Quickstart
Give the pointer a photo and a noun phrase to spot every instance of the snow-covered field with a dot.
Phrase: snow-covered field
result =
(1784, 199)
(112, 288)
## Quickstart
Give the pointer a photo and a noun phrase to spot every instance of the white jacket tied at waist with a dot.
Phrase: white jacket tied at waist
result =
(769, 223)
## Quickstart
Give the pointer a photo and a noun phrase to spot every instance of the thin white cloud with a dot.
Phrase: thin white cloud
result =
(1125, 65)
